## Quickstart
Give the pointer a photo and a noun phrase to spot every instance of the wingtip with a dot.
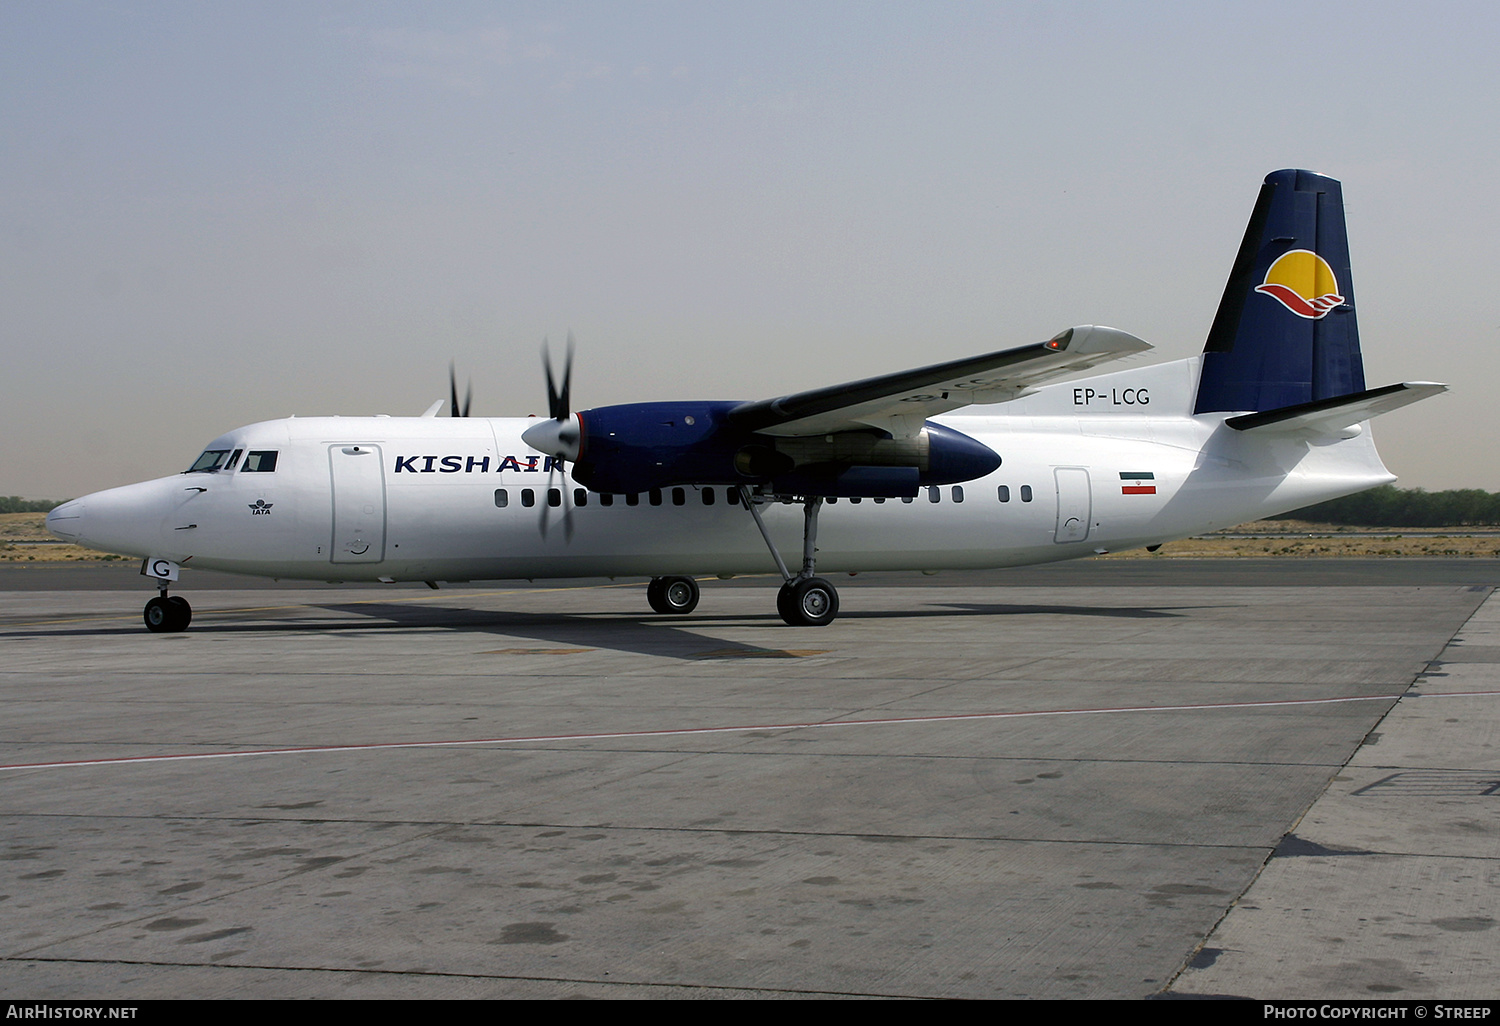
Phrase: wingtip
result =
(1096, 338)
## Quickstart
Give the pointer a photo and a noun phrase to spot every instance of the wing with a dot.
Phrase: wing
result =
(899, 403)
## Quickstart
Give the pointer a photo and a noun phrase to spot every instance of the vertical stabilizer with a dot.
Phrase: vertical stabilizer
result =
(1285, 332)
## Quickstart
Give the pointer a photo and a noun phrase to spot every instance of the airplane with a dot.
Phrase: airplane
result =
(999, 460)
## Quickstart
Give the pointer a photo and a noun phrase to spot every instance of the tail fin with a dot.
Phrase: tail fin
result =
(1285, 333)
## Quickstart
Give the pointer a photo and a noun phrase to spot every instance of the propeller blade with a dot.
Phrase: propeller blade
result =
(558, 399)
(455, 410)
(565, 497)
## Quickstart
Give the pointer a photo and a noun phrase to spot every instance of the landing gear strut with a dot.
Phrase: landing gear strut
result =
(805, 600)
(168, 614)
(672, 594)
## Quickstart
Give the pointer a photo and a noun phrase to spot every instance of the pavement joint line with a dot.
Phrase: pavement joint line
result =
(691, 731)
(437, 974)
(1264, 849)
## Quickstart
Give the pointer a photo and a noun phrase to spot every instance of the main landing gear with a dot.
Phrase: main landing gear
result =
(672, 594)
(805, 600)
(168, 614)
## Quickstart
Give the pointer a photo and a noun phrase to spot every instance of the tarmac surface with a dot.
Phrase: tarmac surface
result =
(1110, 779)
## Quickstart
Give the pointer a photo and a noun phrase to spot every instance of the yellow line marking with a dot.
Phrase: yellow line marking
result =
(351, 602)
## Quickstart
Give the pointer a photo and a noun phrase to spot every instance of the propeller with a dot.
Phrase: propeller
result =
(454, 410)
(560, 437)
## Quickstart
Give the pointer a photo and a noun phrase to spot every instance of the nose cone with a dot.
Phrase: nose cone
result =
(560, 438)
(66, 521)
(126, 520)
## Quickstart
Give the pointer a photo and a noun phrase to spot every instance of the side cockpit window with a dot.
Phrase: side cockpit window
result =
(211, 460)
(259, 461)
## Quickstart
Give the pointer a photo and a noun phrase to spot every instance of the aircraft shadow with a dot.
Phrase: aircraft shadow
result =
(642, 634)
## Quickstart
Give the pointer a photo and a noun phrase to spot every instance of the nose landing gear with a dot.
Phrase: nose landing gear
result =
(168, 614)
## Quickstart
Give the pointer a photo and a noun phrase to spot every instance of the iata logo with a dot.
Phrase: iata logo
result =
(1302, 281)
(261, 507)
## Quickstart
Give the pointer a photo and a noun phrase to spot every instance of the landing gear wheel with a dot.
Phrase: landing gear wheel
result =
(168, 615)
(672, 595)
(784, 603)
(183, 610)
(808, 602)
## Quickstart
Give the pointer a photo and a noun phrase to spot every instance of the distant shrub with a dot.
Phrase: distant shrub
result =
(1389, 506)
(16, 504)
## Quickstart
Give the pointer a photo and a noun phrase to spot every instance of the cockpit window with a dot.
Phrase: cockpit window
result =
(212, 459)
(259, 461)
(233, 459)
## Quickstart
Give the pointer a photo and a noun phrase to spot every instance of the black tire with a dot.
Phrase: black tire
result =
(673, 596)
(812, 602)
(165, 615)
(159, 616)
(784, 602)
(182, 612)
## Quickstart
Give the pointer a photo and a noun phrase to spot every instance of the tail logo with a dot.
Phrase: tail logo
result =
(1302, 281)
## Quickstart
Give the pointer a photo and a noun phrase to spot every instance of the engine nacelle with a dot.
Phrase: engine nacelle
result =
(639, 446)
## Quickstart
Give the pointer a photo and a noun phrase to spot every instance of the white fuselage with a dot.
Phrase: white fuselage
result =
(1106, 463)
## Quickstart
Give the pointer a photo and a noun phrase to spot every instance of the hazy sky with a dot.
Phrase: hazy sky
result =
(217, 213)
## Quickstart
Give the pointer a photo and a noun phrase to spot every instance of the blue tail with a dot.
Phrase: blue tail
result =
(1285, 333)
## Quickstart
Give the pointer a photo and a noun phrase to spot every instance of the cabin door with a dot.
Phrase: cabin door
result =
(358, 503)
(1074, 504)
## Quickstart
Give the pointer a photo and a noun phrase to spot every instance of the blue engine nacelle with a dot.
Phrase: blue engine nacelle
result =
(639, 446)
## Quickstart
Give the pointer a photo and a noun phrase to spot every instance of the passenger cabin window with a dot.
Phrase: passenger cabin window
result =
(502, 498)
(1026, 493)
(607, 499)
(958, 493)
(655, 496)
(708, 496)
(1005, 493)
(934, 494)
(260, 461)
(528, 497)
(580, 496)
(679, 496)
(633, 499)
(211, 460)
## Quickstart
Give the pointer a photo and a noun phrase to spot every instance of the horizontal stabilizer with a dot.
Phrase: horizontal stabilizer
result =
(1330, 416)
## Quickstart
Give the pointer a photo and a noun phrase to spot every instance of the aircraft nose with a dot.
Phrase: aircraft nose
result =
(66, 521)
(126, 520)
